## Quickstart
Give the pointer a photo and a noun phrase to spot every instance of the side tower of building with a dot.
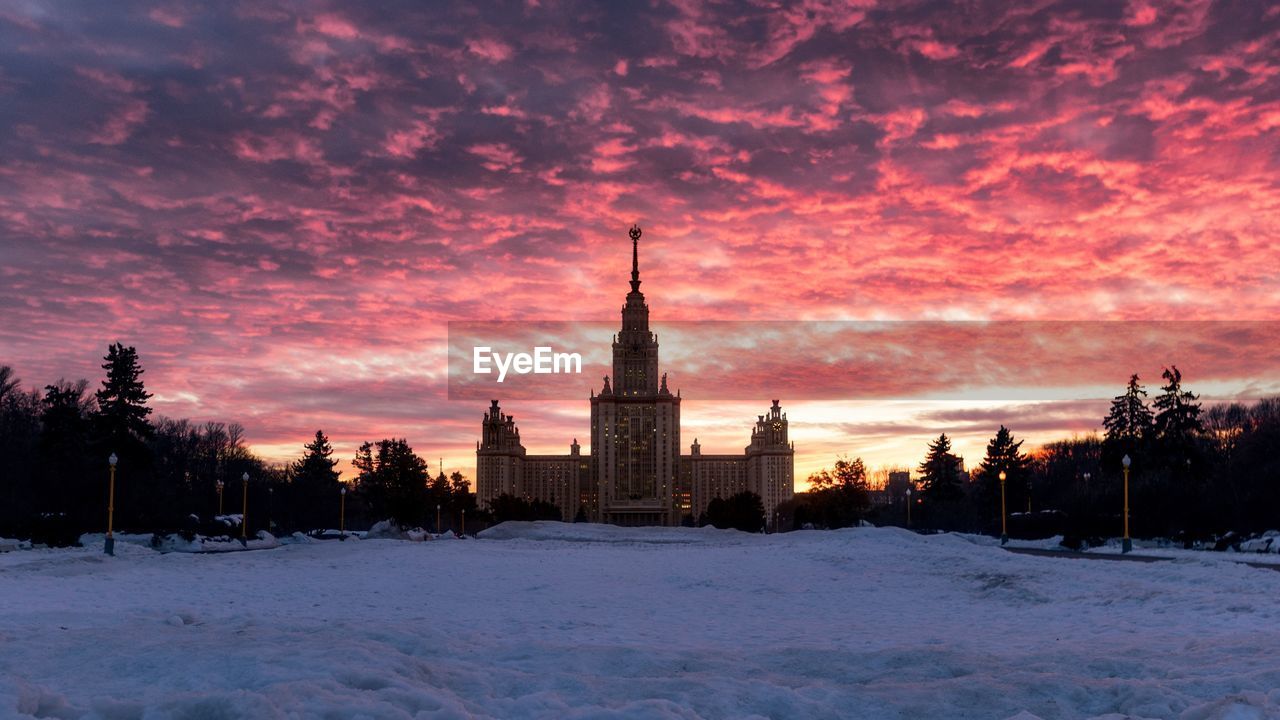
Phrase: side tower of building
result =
(771, 461)
(635, 424)
(499, 456)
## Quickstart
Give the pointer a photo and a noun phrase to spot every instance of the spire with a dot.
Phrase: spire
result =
(634, 232)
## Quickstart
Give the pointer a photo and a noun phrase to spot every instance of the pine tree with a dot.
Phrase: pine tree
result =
(1177, 423)
(1004, 454)
(1129, 421)
(316, 465)
(314, 489)
(122, 400)
(940, 471)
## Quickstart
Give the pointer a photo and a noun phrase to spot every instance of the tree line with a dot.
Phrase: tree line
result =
(175, 475)
(1195, 474)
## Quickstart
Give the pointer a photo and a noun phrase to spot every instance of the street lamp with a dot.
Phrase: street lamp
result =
(464, 522)
(244, 508)
(1004, 515)
(342, 513)
(908, 507)
(109, 545)
(1126, 544)
(220, 486)
(271, 502)
(437, 518)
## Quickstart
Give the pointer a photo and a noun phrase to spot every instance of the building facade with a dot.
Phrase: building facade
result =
(635, 473)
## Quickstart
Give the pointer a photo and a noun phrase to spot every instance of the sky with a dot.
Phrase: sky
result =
(283, 205)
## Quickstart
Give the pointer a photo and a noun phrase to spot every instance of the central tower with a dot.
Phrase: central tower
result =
(635, 423)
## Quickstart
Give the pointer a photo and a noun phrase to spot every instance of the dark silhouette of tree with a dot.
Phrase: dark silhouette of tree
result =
(509, 507)
(1129, 426)
(839, 497)
(9, 384)
(1003, 454)
(743, 511)
(940, 476)
(62, 470)
(314, 487)
(393, 480)
(459, 484)
(122, 401)
(1176, 493)
(1177, 423)
(317, 463)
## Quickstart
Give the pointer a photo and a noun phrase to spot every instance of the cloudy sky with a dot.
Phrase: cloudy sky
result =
(281, 205)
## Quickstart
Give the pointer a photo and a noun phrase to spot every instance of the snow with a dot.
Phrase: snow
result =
(553, 620)
(176, 543)
(11, 544)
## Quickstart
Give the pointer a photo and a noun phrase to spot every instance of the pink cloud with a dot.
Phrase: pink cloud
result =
(490, 49)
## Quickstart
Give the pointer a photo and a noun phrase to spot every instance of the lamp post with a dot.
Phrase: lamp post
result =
(271, 502)
(342, 513)
(244, 507)
(464, 522)
(437, 518)
(109, 545)
(1126, 544)
(1004, 515)
(908, 507)
(220, 486)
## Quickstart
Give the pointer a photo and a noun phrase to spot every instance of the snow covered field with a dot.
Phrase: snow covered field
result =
(591, 621)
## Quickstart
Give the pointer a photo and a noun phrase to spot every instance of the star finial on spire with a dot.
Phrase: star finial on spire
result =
(635, 233)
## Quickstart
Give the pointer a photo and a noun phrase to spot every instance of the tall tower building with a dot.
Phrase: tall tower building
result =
(635, 423)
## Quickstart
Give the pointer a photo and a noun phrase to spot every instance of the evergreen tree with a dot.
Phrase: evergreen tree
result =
(1177, 423)
(314, 489)
(317, 463)
(940, 472)
(1004, 454)
(122, 400)
(1128, 425)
